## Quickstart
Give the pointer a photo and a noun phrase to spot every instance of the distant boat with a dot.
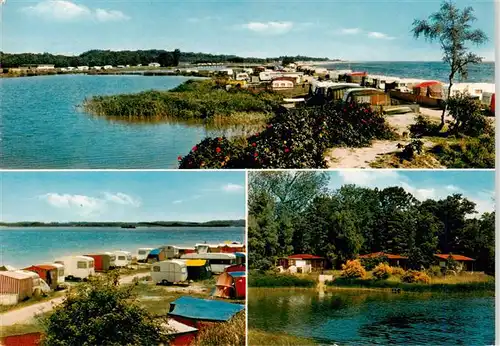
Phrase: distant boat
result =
(128, 226)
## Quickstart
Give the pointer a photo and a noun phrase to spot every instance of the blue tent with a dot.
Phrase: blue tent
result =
(155, 252)
(237, 274)
(204, 309)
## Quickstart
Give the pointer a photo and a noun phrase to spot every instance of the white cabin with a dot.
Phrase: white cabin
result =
(107, 67)
(77, 267)
(45, 67)
(97, 68)
(169, 271)
(218, 261)
(123, 258)
(154, 64)
(82, 68)
(142, 253)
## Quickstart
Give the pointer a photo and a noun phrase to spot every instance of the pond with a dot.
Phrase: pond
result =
(361, 317)
(41, 125)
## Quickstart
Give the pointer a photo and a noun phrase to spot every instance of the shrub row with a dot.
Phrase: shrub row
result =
(262, 279)
(295, 138)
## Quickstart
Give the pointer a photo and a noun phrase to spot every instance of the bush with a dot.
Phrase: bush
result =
(467, 153)
(424, 127)
(410, 150)
(435, 271)
(468, 117)
(263, 279)
(413, 276)
(398, 271)
(353, 269)
(231, 333)
(382, 271)
(372, 262)
(211, 153)
(297, 138)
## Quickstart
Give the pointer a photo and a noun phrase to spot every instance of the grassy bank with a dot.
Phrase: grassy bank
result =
(259, 337)
(193, 100)
(262, 279)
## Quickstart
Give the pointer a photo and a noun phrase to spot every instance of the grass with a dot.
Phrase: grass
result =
(31, 301)
(24, 328)
(231, 333)
(258, 337)
(205, 100)
(270, 279)
(393, 160)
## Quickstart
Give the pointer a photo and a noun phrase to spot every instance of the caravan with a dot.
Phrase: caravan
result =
(123, 258)
(169, 271)
(217, 261)
(142, 253)
(60, 272)
(77, 267)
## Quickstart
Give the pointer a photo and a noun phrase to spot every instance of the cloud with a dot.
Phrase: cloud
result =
(192, 198)
(233, 188)
(349, 31)
(86, 205)
(380, 35)
(273, 28)
(62, 10)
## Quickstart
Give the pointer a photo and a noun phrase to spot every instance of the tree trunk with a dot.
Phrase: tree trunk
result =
(446, 103)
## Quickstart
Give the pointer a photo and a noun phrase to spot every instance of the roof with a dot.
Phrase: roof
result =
(16, 275)
(304, 256)
(427, 83)
(196, 262)
(382, 254)
(174, 327)
(43, 266)
(455, 257)
(204, 309)
(289, 79)
(155, 252)
(240, 254)
(237, 274)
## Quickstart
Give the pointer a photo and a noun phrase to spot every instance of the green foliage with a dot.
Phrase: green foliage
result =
(423, 126)
(211, 153)
(100, 312)
(413, 276)
(382, 271)
(231, 333)
(263, 279)
(412, 149)
(468, 117)
(297, 138)
(467, 152)
(435, 271)
(372, 262)
(353, 269)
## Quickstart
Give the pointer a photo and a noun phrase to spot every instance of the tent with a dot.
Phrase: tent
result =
(231, 285)
(194, 311)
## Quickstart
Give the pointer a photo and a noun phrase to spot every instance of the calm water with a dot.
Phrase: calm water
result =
(26, 246)
(375, 318)
(481, 73)
(41, 126)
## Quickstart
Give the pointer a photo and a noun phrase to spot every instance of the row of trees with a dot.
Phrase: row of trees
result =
(296, 213)
(133, 58)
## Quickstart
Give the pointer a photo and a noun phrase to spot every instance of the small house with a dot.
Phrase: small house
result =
(282, 83)
(156, 255)
(198, 313)
(107, 67)
(231, 285)
(463, 263)
(46, 272)
(16, 283)
(169, 271)
(316, 263)
(102, 261)
(394, 260)
(45, 67)
(154, 64)
(142, 254)
(82, 68)
(198, 269)
(77, 267)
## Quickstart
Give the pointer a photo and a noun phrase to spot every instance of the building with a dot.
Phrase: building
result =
(282, 83)
(44, 67)
(391, 259)
(154, 64)
(82, 68)
(315, 263)
(463, 263)
(107, 67)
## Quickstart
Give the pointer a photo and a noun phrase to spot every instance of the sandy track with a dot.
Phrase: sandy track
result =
(27, 314)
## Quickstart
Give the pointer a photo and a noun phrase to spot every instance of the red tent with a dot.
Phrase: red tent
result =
(427, 84)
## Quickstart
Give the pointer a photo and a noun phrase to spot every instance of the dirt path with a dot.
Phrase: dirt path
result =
(26, 314)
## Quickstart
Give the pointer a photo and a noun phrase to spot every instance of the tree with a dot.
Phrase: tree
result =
(452, 28)
(287, 60)
(177, 57)
(100, 312)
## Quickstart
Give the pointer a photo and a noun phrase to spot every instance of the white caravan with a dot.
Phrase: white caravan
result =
(77, 267)
(123, 258)
(169, 271)
(142, 253)
(112, 259)
(218, 261)
(60, 272)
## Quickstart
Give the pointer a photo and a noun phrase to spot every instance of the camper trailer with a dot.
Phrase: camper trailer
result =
(142, 253)
(34, 277)
(102, 261)
(77, 267)
(172, 251)
(46, 272)
(374, 97)
(169, 271)
(156, 255)
(60, 272)
(112, 259)
(198, 269)
(217, 261)
(123, 258)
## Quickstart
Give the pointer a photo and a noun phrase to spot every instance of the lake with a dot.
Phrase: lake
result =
(356, 317)
(42, 127)
(26, 246)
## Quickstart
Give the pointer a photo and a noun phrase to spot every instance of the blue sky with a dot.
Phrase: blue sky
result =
(353, 30)
(122, 196)
(477, 185)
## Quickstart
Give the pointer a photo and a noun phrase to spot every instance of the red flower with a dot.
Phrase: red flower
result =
(219, 139)
(363, 121)
(269, 126)
(194, 148)
(217, 150)
(254, 144)
(179, 158)
(256, 154)
(257, 134)
(287, 150)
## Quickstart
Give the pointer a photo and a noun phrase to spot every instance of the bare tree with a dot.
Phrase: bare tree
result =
(452, 28)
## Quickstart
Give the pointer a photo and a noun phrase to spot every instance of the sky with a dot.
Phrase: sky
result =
(477, 185)
(358, 30)
(122, 196)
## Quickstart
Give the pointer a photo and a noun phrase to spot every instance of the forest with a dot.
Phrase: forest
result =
(293, 213)
(214, 223)
(133, 58)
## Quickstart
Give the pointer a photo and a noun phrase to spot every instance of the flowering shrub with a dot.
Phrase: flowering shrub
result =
(210, 153)
(398, 271)
(413, 276)
(297, 138)
(353, 269)
(382, 271)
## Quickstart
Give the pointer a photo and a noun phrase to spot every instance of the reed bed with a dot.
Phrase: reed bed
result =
(232, 333)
